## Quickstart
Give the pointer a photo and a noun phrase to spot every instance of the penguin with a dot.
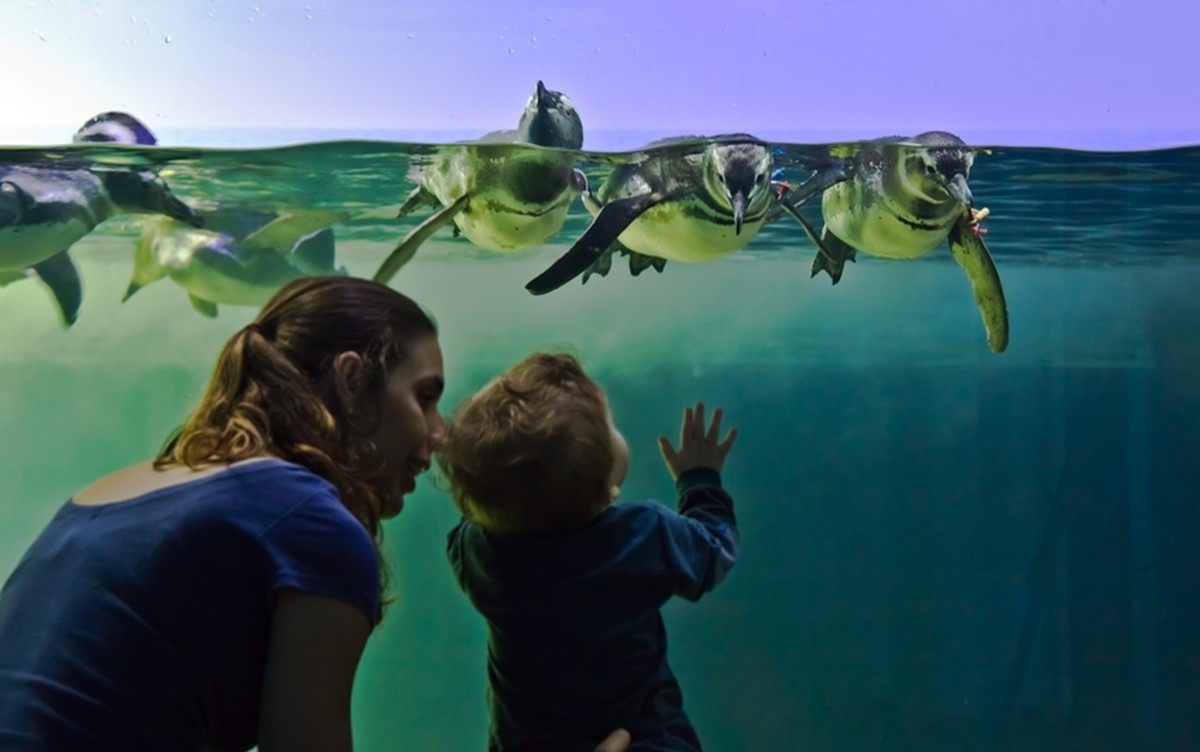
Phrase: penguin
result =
(45, 208)
(114, 128)
(900, 198)
(499, 192)
(240, 257)
(684, 199)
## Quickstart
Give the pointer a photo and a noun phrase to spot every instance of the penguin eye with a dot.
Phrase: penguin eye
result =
(930, 170)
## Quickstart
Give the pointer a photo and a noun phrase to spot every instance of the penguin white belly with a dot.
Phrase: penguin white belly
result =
(875, 228)
(22, 246)
(208, 284)
(666, 232)
(495, 217)
(492, 220)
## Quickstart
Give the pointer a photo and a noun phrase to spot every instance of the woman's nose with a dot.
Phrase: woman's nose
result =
(437, 432)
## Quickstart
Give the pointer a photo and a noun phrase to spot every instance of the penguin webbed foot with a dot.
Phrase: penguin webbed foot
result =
(832, 267)
(640, 262)
(832, 255)
(600, 267)
(973, 220)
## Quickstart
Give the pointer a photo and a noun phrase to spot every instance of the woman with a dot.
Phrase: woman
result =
(220, 595)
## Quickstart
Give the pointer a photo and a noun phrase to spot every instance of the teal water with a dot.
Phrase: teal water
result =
(943, 548)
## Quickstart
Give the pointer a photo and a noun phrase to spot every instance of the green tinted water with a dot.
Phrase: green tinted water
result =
(944, 548)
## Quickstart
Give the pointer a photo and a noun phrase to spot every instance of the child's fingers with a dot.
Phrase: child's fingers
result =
(727, 444)
(714, 430)
(667, 451)
(697, 424)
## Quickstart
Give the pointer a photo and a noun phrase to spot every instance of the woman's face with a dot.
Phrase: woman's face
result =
(410, 425)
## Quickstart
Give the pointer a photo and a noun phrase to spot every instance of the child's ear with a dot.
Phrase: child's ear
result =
(613, 492)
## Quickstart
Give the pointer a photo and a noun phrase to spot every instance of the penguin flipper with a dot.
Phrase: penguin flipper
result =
(972, 255)
(829, 259)
(314, 254)
(407, 248)
(419, 196)
(832, 255)
(61, 276)
(608, 225)
(12, 203)
(824, 177)
(203, 307)
(287, 232)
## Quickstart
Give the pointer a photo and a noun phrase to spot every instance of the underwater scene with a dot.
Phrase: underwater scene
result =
(966, 380)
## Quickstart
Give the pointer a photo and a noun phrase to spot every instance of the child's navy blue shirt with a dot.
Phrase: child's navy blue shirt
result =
(576, 645)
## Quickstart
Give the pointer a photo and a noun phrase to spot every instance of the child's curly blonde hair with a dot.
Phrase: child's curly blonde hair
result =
(532, 452)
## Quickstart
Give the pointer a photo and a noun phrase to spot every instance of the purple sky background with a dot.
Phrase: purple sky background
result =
(1021, 71)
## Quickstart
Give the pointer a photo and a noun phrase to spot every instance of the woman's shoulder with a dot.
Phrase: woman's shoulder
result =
(143, 479)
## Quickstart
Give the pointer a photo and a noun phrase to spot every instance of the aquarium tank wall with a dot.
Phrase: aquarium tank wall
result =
(967, 476)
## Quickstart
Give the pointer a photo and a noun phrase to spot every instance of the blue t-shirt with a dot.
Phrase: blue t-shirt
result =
(143, 624)
(576, 643)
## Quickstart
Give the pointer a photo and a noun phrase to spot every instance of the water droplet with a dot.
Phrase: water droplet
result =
(533, 40)
(167, 38)
(412, 36)
(511, 50)
(549, 18)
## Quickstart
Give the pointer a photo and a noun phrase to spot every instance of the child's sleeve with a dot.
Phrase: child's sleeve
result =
(702, 540)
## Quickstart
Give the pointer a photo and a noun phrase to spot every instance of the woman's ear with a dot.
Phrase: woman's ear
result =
(349, 377)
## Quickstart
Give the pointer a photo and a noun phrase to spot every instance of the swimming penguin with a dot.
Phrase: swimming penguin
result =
(241, 257)
(683, 200)
(901, 198)
(500, 194)
(45, 208)
(114, 128)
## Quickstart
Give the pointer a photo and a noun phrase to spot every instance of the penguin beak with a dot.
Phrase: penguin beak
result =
(738, 201)
(960, 190)
(543, 96)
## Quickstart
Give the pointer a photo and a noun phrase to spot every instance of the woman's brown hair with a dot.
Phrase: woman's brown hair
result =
(273, 389)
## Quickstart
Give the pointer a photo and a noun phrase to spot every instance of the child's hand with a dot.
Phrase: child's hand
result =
(697, 447)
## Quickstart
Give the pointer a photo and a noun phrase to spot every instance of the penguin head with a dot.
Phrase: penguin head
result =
(738, 173)
(550, 119)
(941, 167)
(114, 128)
(140, 191)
